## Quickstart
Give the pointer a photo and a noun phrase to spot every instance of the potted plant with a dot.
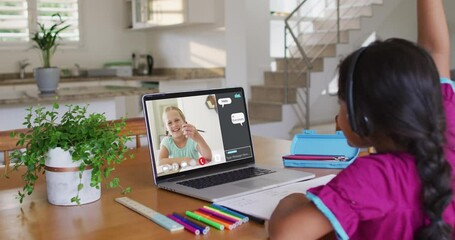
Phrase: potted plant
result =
(75, 150)
(45, 39)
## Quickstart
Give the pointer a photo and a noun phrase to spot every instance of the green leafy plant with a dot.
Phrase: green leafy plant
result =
(46, 39)
(88, 137)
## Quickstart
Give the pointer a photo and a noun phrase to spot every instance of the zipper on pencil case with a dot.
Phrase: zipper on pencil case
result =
(302, 157)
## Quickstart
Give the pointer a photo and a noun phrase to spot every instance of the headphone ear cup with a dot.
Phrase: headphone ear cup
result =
(365, 126)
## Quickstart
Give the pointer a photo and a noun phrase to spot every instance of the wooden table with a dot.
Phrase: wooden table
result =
(106, 219)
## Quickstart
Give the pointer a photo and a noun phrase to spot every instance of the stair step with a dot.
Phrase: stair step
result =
(273, 94)
(323, 37)
(264, 111)
(318, 37)
(315, 51)
(357, 2)
(347, 11)
(279, 79)
(345, 24)
(298, 64)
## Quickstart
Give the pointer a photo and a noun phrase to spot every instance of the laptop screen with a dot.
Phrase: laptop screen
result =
(197, 131)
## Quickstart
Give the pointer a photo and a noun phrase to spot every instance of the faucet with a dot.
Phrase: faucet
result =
(22, 65)
(76, 71)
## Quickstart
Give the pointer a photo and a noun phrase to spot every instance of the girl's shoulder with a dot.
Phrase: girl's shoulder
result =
(383, 160)
(444, 80)
(166, 141)
(384, 170)
(448, 89)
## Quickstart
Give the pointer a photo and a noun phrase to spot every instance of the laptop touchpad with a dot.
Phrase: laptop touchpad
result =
(257, 183)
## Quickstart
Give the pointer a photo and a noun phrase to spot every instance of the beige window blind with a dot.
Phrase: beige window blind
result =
(69, 12)
(18, 18)
(14, 21)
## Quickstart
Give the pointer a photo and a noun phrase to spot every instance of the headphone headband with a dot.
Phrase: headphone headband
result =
(350, 95)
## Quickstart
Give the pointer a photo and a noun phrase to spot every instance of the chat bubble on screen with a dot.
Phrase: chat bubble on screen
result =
(224, 101)
(238, 118)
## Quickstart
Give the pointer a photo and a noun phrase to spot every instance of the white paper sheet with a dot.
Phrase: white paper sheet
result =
(261, 204)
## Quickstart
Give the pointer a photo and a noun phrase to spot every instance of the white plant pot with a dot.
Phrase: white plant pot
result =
(62, 179)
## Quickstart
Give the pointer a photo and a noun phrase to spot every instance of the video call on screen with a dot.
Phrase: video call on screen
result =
(233, 122)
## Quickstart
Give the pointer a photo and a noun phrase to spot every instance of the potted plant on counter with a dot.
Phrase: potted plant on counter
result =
(45, 39)
(76, 151)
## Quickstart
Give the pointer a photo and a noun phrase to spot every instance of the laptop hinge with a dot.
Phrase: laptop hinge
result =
(206, 173)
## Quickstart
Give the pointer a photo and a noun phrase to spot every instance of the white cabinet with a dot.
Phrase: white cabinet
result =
(161, 13)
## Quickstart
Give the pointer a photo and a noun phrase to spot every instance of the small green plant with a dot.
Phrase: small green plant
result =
(46, 39)
(88, 137)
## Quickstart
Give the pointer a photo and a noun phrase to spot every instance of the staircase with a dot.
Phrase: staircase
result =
(318, 35)
(267, 100)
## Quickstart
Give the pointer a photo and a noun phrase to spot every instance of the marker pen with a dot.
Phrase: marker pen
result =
(223, 209)
(239, 219)
(220, 216)
(226, 224)
(185, 225)
(204, 229)
(204, 220)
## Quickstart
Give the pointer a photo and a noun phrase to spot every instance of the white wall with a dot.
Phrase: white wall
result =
(190, 46)
(247, 42)
(402, 23)
(104, 38)
(258, 40)
(404, 18)
(236, 49)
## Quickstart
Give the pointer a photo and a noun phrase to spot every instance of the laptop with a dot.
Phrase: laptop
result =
(225, 166)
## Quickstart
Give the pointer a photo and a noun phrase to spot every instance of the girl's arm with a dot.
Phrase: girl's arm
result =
(164, 157)
(204, 149)
(433, 33)
(296, 217)
(202, 146)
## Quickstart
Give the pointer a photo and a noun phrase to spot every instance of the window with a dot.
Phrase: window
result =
(18, 18)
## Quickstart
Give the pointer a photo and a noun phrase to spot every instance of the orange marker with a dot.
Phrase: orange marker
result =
(222, 222)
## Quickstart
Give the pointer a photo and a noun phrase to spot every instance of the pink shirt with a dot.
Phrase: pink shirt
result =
(378, 196)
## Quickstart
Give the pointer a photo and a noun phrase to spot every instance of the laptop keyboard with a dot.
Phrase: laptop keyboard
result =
(226, 177)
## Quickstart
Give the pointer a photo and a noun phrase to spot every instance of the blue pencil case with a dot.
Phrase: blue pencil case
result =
(321, 147)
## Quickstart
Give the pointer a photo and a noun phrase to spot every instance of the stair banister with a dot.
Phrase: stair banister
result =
(338, 21)
(305, 58)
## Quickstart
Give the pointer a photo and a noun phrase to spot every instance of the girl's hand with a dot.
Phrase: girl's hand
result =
(189, 131)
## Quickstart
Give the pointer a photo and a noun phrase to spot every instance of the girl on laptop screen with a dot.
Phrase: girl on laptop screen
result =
(184, 145)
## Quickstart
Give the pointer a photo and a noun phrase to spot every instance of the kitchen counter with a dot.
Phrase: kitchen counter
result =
(71, 94)
(115, 101)
(159, 75)
(9, 82)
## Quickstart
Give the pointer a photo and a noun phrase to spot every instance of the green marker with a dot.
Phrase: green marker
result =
(204, 220)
